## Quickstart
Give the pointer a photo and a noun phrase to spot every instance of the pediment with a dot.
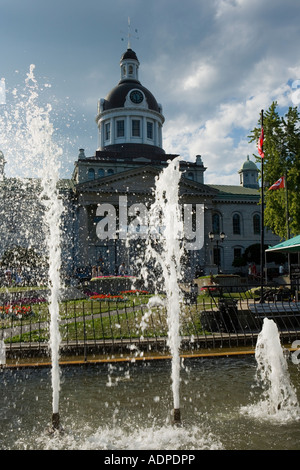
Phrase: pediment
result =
(141, 180)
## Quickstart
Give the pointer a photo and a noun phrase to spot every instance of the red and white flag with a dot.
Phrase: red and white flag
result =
(260, 143)
(279, 184)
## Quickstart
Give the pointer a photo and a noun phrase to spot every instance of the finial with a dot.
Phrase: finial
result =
(129, 35)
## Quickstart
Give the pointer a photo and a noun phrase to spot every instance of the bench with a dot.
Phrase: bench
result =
(281, 308)
(280, 311)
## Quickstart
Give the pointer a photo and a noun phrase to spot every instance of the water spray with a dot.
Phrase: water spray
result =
(166, 253)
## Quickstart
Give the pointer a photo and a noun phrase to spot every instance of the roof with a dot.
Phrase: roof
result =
(140, 180)
(291, 245)
(233, 191)
(117, 96)
(248, 165)
(129, 54)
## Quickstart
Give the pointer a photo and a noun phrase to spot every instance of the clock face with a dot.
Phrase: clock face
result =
(136, 96)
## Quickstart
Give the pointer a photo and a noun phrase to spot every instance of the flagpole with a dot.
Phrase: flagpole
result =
(287, 219)
(262, 229)
(287, 206)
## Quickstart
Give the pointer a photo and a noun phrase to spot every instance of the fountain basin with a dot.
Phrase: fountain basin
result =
(129, 406)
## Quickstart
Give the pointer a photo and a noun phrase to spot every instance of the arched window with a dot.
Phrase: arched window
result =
(91, 174)
(190, 176)
(110, 171)
(236, 224)
(256, 224)
(216, 227)
(100, 173)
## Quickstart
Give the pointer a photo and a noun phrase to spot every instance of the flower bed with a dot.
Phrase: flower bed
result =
(135, 292)
(15, 312)
(97, 278)
(106, 297)
(209, 290)
(28, 301)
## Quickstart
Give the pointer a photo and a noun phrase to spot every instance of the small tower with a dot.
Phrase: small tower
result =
(129, 119)
(129, 66)
(249, 174)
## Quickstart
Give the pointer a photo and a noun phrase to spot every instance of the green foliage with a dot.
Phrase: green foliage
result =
(282, 158)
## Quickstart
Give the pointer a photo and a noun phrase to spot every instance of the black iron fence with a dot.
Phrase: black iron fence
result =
(215, 317)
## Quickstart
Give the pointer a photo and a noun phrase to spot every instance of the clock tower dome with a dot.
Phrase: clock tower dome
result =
(129, 119)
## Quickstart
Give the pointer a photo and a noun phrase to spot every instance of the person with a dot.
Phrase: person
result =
(249, 270)
(253, 270)
(122, 269)
(18, 276)
(94, 271)
(8, 278)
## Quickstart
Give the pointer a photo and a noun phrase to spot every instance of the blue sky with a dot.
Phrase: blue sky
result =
(213, 65)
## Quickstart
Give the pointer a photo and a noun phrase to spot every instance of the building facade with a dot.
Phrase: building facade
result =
(129, 158)
(106, 190)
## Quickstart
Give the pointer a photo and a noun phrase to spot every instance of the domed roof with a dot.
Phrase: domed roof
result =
(129, 54)
(129, 81)
(117, 96)
(248, 165)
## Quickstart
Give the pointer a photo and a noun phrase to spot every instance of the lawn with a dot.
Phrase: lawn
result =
(101, 319)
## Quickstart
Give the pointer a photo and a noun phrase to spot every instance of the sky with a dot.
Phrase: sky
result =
(213, 65)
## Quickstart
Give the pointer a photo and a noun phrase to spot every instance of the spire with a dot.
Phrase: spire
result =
(129, 34)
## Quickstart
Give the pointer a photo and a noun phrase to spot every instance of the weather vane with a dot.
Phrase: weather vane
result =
(129, 34)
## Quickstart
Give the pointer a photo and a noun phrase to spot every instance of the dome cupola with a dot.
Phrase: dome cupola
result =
(249, 174)
(130, 114)
(129, 65)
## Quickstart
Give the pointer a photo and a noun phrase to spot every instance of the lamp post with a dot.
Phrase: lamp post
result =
(221, 238)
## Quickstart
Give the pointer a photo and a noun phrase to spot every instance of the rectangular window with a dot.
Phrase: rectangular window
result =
(236, 224)
(149, 130)
(120, 129)
(107, 131)
(256, 224)
(136, 130)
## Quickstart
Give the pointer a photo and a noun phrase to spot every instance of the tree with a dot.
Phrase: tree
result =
(282, 158)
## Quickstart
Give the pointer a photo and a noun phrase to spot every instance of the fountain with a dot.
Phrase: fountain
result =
(164, 251)
(33, 132)
(279, 398)
(125, 405)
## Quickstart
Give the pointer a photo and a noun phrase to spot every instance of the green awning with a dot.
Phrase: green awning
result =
(289, 246)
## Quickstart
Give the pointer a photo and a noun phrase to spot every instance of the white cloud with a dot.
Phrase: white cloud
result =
(200, 78)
